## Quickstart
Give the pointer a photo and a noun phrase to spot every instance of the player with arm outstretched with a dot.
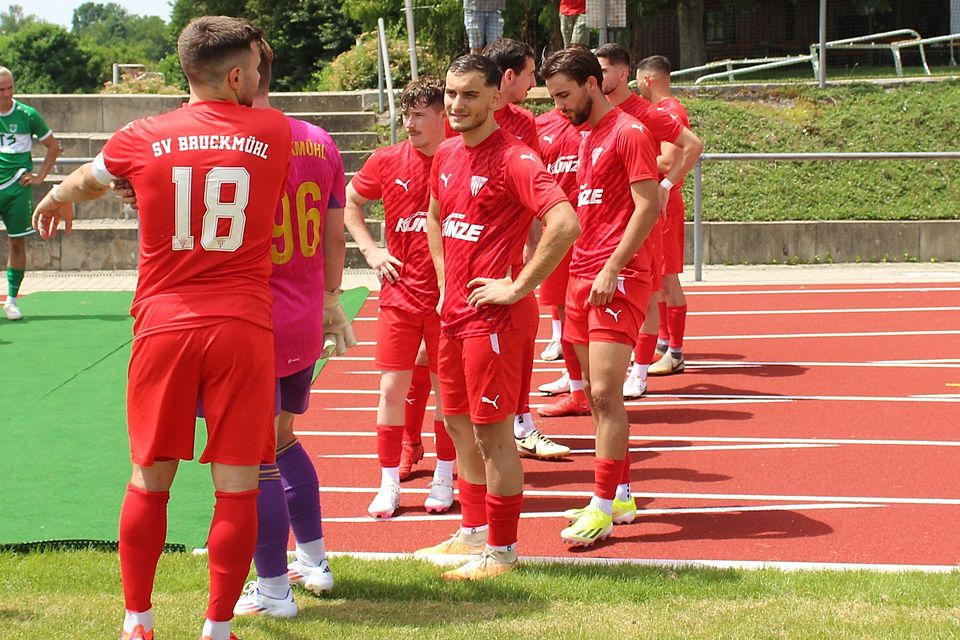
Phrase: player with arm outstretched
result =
(208, 178)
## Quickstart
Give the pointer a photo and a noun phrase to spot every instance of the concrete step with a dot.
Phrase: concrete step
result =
(107, 112)
(339, 120)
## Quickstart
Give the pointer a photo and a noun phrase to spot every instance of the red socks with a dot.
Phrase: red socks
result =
(676, 324)
(606, 475)
(445, 448)
(473, 507)
(625, 475)
(416, 403)
(389, 445)
(646, 346)
(503, 513)
(570, 360)
(664, 327)
(230, 545)
(143, 531)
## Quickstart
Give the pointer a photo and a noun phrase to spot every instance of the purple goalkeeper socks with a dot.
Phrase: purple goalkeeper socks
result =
(273, 525)
(302, 487)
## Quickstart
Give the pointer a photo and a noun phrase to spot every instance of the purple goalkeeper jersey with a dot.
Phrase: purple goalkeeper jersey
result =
(315, 183)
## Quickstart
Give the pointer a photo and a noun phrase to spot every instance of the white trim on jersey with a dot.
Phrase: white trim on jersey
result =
(100, 172)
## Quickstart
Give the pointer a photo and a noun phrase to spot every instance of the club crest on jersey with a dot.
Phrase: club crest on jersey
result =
(405, 185)
(445, 177)
(13, 128)
(456, 227)
(417, 223)
(476, 183)
(596, 155)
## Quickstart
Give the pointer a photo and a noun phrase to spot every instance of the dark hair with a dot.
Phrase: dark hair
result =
(426, 91)
(265, 68)
(614, 53)
(473, 63)
(577, 62)
(655, 63)
(210, 45)
(507, 53)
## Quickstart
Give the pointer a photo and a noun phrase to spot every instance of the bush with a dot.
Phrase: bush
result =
(357, 68)
(147, 83)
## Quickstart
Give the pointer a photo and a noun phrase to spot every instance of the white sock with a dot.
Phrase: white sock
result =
(677, 352)
(475, 534)
(603, 504)
(133, 618)
(311, 553)
(216, 630)
(444, 469)
(623, 492)
(662, 345)
(389, 476)
(523, 426)
(13, 300)
(576, 385)
(507, 549)
(556, 330)
(637, 368)
(276, 588)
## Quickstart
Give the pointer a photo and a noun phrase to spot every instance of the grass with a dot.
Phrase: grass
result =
(405, 599)
(849, 118)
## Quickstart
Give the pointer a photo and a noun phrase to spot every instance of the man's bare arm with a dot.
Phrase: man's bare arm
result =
(379, 259)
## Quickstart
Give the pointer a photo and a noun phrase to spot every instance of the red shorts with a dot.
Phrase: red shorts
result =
(230, 365)
(399, 334)
(617, 321)
(673, 234)
(553, 290)
(481, 376)
(655, 242)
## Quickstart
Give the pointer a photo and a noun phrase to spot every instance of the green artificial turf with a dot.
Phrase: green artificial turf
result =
(66, 454)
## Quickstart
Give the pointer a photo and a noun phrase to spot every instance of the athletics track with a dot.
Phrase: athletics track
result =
(815, 424)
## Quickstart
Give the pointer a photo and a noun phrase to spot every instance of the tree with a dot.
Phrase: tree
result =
(46, 58)
(13, 19)
(100, 19)
(690, 31)
(105, 27)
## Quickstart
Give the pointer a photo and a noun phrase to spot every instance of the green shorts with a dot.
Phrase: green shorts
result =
(16, 210)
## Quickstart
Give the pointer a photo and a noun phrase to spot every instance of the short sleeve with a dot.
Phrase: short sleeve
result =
(434, 175)
(528, 181)
(121, 156)
(665, 126)
(638, 151)
(366, 182)
(38, 127)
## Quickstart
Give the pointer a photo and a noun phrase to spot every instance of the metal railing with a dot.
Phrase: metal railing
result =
(384, 75)
(864, 43)
(774, 157)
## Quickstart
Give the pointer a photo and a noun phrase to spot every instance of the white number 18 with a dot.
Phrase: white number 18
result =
(215, 208)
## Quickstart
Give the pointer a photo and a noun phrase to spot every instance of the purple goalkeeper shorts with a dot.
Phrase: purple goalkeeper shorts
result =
(293, 391)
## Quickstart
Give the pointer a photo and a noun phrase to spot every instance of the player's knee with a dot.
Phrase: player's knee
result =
(604, 396)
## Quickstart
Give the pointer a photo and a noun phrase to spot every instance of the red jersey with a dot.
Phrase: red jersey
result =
(559, 144)
(398, 175)
(663, 126)
(573, 7)
(488, 195)
(618, 152)
(673, 107)
(515, 119)
(208, 178)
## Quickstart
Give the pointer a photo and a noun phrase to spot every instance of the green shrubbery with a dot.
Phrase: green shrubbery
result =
(357, 68)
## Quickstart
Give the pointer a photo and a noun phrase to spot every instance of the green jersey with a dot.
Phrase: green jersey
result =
(17, 128)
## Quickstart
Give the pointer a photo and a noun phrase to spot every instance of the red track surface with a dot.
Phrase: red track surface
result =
(755, 423)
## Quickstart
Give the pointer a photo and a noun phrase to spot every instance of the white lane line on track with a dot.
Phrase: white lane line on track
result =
(745, 565)
(742, 497)
(640, 514)
(716, 447)
(690, 438)
(767, 336)
(654, 400)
